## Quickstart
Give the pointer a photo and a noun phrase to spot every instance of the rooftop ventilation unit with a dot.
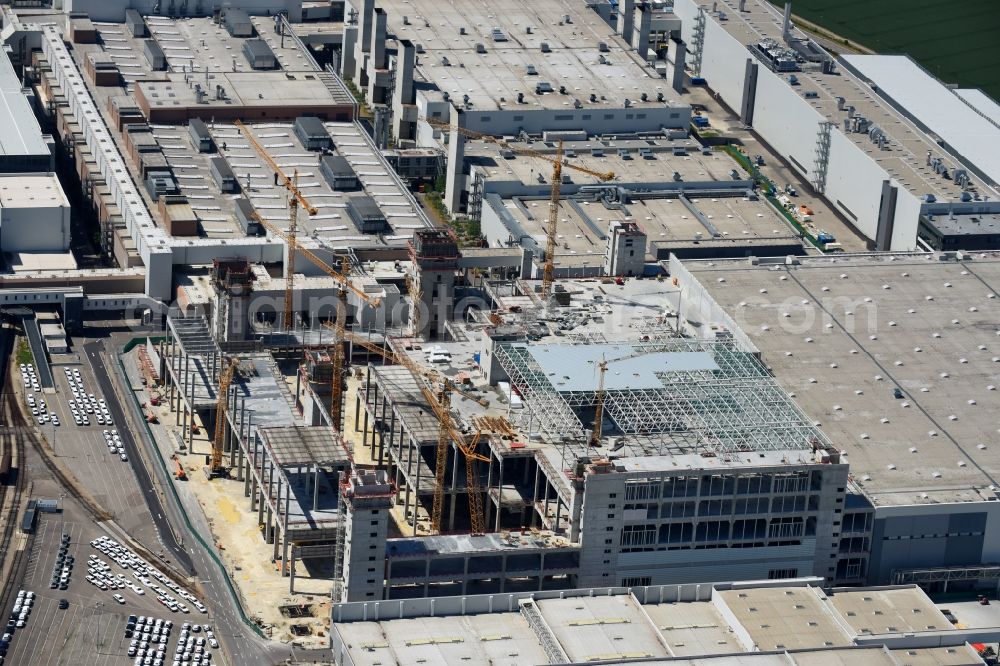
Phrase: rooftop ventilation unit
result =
(577, 104)
(545, 47)
(628, 102)
(461, 30)
(480, 48)
(445, 62)
(659, 97)
(528, 29)
(603, 47)
(593, 98)
(520, 98)
(498, 35)
(602, 60)
(562, 90)
(406, 20)
(543, 87)
(531, 71)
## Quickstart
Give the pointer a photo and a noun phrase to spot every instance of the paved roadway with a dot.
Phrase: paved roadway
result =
(180, 556)
(32, 332)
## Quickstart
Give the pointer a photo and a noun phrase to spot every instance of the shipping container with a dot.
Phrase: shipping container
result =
(259, 54)
(224, 176)
(366, 215)
(154, 55)
(135, 23)
(244, 216)
(338, 173)
(312, 133)
(200, 135)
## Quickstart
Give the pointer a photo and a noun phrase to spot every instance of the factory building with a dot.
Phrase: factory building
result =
(873, 164)
(789, 622)
(23, 147)
(895, 357)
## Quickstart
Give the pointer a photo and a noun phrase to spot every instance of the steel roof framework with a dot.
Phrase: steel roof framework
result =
(738, 407)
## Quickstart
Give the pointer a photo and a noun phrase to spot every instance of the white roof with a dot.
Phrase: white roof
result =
(966, 130)
(31, 191)
(20, 133)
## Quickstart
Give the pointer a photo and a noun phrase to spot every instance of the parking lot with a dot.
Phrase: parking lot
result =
(91, 629)
(79, 442)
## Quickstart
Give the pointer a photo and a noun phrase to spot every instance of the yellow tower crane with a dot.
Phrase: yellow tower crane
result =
(595, 435)
(343, 277)
(216, 469)
(557, 162)
(439, 401)
(295, 199)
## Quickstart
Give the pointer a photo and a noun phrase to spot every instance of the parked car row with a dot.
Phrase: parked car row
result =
(83, 405)
(40, 410)
(115, 446)
(149, 576)
(62, 568)
(29, 377)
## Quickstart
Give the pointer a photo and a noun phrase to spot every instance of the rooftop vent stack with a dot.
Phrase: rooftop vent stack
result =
(446, 95)
(465, 100)
(602, 60)
(461, 30)
(881, 142)
(528, 29)
(677, 177)
(850, 111)
(562, 90)
(480, 48)
(743, 5)
(218, 92)
(644, 97)
(847, 124)
(567, 18)
(445, 61)
(577, 104)
(628, 102)
(786, 25)
(603, 47)
(840, 103)
(520, 98)
(545, 47)
(928, 158)
(659, 97)
(406, 20)
(715, 7)
(593, 98)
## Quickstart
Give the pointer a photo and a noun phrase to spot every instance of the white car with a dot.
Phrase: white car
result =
(119, 598)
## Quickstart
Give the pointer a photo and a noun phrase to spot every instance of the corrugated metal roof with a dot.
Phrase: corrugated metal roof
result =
(20, 134)
(939, 109)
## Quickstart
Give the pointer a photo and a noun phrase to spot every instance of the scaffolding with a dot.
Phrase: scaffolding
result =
(722, 401)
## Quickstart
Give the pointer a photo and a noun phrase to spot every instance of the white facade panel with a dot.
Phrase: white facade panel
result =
(854, 185)
(35, 229)
(786, 121)
(904, 230)
(723, 65)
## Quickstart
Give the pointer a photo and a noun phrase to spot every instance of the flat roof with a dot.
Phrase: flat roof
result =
(298, 446)
(840, 333)
(906, 159)
(20, 133)
(970, 224)
(502, 71)
(668, 223)
(786, 623)
(971, 135)
(41, 190)
(784, 618)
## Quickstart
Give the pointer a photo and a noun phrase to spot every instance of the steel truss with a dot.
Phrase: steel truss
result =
(738, 407)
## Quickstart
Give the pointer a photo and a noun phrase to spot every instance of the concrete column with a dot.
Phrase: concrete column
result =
(363, 44)
(416, 491)
(376, 49)
(534, 496)
(499, 492)
(680, 63)
(284, 535)
(640, 34)
(455, 178)
(488, 504)
(402, 94)
(315, 482)
(392, 433)
(291, 574)
(357, 410)
(626, 12)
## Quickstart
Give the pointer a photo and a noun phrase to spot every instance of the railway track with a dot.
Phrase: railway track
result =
(13, 441)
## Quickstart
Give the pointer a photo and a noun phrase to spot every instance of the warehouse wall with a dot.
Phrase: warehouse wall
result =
(933, 535)
(787, 121)
(35, 229)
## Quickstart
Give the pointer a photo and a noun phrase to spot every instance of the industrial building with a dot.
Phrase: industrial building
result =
(896, 359)
(34, 214)
(874, 164)
(23, 147)
(563, 69)
(793, 622)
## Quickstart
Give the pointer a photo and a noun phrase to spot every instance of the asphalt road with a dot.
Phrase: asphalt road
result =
(180, 555)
